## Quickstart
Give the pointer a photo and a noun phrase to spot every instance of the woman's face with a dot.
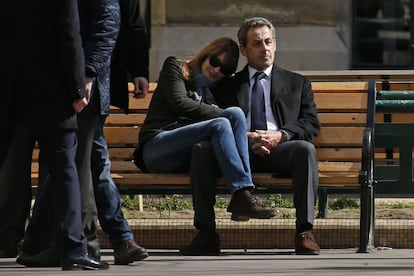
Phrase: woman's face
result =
(213, 68)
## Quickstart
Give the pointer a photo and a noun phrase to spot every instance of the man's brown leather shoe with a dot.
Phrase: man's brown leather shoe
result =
(128, 252)
(245, 206)
(203, 244)
(305, 244)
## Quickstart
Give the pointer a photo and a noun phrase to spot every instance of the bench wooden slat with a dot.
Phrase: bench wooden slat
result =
(122, 166)
(138, 180)
(261, 180)
(121, 135)
(341, 101)
(332, 119)
(339, 154)
(340, 136)
(358, 119)
(329, 136)
(327, 118)
(122, 120)
(340, 86)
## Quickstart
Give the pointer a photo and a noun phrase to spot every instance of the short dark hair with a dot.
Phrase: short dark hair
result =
(253, 22)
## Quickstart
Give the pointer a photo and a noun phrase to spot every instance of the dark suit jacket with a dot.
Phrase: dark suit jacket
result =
(42, 68)
(131, 54)
(291, 98)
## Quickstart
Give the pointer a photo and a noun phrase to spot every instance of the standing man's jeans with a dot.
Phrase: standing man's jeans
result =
(107, 195)
(170, 151)
(87, 122)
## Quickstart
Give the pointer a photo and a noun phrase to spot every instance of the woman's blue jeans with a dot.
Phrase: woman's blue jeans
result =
(170, 151)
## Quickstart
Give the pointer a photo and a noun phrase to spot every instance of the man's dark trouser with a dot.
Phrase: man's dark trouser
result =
(86, 128)
(57, 211)
(15, 187)
(296, 159)
(204, 171)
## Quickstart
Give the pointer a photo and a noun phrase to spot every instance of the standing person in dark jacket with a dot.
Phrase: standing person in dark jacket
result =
(99, 27)
(100, 23)
(47, 82)
(100, 196)
(129, 59)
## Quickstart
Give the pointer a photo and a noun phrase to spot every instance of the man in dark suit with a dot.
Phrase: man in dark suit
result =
(279, 141)
(92, 156)
(46, 79)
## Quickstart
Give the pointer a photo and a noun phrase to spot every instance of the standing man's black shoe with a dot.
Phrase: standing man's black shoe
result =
(94, 252)
(244, 206)
(8, 252)
(50, 257)
(205, 243)
(84, 263)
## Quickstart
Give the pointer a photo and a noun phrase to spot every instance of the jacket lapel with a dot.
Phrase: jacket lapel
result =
(243, 92)
(277, 83)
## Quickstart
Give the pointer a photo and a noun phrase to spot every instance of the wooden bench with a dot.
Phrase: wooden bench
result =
(344, 149)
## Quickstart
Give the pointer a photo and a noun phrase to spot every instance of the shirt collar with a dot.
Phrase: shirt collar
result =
(267, 71)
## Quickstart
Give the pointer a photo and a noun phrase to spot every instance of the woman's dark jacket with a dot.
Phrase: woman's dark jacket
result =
(172, 104)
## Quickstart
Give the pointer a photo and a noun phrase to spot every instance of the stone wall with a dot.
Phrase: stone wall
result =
(311, 34)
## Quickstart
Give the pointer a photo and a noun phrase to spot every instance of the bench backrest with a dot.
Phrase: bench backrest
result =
(342, 109)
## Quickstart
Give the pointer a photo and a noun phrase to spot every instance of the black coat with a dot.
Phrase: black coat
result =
(42, 64)
(131, 55)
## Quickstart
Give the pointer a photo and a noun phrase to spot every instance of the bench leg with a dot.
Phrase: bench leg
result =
(367, 222)
(322, 203)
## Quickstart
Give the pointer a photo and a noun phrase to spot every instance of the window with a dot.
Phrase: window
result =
(382, 34)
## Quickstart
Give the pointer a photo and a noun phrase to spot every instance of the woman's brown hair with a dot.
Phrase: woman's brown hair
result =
(215, 48)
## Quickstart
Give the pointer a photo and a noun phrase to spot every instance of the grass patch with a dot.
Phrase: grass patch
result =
(401, 205)
(277, 201)
(344, 203)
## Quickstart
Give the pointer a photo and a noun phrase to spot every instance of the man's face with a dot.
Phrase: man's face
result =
(260, 48)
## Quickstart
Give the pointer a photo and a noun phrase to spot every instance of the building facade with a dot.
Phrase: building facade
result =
(311, 34)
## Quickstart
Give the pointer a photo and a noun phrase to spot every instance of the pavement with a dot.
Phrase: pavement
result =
(386, 261)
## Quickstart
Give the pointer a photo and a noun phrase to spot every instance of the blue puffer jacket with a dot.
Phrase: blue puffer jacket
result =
(100, 23)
